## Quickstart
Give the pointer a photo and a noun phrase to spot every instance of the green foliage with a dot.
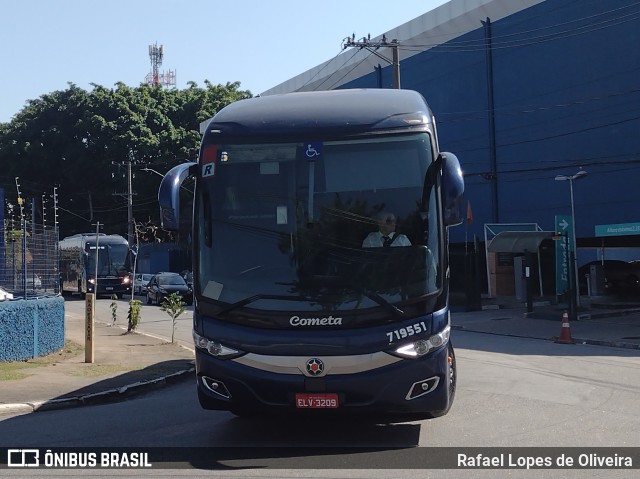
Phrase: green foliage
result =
(114, 308)
(13, 250)
(134, 314)
(174, 307)
(72, 137)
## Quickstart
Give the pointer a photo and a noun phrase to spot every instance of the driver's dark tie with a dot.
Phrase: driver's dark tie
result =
(386, 241)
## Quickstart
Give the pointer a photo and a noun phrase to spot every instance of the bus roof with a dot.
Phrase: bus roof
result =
(320, 113)
(91, 237)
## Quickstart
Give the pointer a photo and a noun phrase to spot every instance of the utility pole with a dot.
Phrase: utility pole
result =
(488, 45)
(44, 212)
(373, 46)
(129, 195)
(56, 239)
(130, 224)
(55, 209)
(395, 63)
(20, 200)
(90, 307)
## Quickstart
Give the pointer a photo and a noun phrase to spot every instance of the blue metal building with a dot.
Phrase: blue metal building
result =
(522, 91)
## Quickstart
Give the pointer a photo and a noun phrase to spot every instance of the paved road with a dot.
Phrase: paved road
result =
(153, 321)
(512, 392)
(527, 395)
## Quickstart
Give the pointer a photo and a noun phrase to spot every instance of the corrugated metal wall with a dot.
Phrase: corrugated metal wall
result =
(566, 95)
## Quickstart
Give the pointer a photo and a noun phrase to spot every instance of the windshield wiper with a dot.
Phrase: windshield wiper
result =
(256, 297)
(380, 300)
(372, 295)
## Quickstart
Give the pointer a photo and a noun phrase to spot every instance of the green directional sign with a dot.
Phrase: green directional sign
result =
(620, 229)
(563, 226)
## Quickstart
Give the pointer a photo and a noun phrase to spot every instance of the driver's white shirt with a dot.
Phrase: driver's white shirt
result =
(376, 240)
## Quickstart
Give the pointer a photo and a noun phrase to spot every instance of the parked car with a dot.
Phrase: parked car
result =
(619, 275)
(140, 286)
(163, 284)
(33, 281)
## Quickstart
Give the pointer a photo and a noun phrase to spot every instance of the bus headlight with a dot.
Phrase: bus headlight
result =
(421, 347)
(214, 348)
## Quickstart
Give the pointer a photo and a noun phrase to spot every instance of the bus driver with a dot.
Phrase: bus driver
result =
(386, 235)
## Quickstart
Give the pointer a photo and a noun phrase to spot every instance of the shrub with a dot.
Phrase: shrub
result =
(134, 314)
(174, 307)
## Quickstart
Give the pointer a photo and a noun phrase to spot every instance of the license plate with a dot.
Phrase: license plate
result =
(316, 400)
(109, 288)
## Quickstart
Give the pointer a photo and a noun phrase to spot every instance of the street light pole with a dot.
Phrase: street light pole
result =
(152, 171)
(574, 259)
(160, 174)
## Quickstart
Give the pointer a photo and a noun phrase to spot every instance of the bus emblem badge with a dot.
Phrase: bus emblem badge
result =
(315, 367)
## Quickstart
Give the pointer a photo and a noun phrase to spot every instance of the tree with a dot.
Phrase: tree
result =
(72, 137)
(134, 315)
(174, 307)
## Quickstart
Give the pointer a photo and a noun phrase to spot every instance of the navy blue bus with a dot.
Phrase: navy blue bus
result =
(299, 306)
(78, 264)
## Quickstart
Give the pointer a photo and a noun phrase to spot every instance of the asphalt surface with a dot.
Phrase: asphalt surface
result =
(125, 364)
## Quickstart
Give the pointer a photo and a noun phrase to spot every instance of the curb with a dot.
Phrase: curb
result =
(109, 395)
(611, 344)
(592, 342)
(582, 316)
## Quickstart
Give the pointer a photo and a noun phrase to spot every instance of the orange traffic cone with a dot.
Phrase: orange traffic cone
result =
(565, 330)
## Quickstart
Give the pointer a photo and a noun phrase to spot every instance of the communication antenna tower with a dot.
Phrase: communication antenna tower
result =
(155, 77)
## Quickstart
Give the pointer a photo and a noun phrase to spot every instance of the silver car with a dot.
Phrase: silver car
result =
(141, 281)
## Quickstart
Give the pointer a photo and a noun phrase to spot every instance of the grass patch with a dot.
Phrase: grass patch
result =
(12, 370)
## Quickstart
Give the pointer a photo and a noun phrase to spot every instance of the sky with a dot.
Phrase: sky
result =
(47, 44)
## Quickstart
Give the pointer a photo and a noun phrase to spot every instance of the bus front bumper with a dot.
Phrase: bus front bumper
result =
(388, 384)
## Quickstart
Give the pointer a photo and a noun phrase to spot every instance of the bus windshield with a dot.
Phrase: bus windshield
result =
(113, 259)
(301, 226)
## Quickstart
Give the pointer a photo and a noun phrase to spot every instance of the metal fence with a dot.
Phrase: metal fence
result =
(29, 260)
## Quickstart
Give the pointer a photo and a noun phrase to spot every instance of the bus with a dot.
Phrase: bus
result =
(78, 264)
(294, 311)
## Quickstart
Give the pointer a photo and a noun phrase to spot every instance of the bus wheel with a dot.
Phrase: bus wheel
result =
(453, 374)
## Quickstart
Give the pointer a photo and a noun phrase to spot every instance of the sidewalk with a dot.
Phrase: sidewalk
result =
(126, 364)
(601, 321)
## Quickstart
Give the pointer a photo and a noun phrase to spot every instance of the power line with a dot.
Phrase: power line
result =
(478, 45)
(497, 43)
(319, 71)
(336, 82)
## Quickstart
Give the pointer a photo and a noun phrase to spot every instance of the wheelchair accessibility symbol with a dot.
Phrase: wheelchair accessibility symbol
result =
(313, 149)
